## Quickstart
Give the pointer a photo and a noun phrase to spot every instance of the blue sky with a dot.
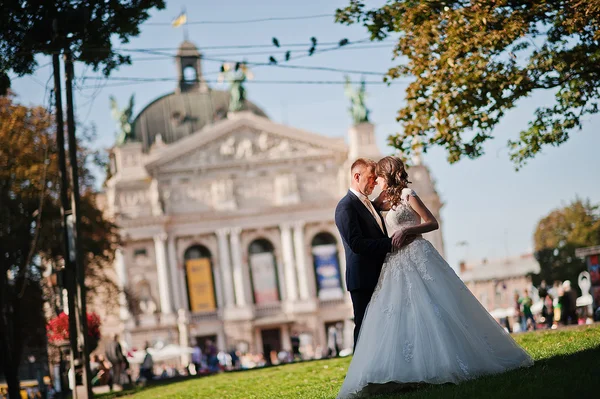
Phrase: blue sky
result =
(487, 204)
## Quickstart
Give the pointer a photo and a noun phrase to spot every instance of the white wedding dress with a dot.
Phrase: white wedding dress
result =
(423, 325)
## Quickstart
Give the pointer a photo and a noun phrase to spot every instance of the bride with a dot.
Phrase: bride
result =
(422, 324)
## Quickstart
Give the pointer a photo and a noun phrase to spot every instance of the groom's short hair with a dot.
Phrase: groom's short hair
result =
(363, 163)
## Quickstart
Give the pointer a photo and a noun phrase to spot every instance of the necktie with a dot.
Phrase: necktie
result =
(371, 209)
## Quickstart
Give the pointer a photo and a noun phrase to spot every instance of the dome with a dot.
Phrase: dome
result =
(186, 110)
(177, 115)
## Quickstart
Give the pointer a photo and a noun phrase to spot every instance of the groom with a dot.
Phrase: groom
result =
(365, 238)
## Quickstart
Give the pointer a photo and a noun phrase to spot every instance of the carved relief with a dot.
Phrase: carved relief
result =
(197, 194)
(130, 160)
(129, 199)
(223, 197)
(325, 183)
(244, 145)
(155, 199)
(286, 189)
(244, 149)
(228, 147)
(147, 303)
(255, 189)
(182, 197)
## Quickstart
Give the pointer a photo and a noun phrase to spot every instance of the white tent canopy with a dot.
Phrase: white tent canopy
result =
(502, 312)
(169, 352)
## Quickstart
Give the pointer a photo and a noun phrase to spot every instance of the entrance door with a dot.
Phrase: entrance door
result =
(271, 342)
(202, 341)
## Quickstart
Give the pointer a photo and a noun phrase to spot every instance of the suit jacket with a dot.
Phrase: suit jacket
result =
(364, 243)
(113, 352)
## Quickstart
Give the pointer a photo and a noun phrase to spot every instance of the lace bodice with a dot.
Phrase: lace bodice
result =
(403, 215)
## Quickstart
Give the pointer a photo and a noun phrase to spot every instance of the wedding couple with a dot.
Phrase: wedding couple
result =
(415, 320)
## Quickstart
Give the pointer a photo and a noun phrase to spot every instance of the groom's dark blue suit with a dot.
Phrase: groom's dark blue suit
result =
(366, 246)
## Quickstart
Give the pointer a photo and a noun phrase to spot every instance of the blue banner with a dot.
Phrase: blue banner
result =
(327, 271)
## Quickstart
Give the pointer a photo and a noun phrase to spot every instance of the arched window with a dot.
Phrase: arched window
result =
(327, 266)
(189, 74)
(263, 272)
(199, 277)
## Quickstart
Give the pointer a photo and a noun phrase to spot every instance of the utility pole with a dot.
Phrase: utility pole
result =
(65, 210)
(75, 222)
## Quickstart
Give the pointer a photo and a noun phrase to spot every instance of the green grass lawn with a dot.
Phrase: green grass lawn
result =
(567, 366)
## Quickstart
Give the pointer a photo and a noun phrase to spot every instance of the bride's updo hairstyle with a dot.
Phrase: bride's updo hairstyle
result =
(393, 171)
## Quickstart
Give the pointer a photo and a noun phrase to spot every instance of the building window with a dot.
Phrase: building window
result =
(263, 272)
(112, 164)
(139, 252)
(140, 257)
(327, 266)
(199, 276)
(147, 304)
(189, 74)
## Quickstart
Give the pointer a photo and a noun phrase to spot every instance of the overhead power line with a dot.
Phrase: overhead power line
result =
(315, 68)
(136, 80)
(301, 67)
(238, 46)
(368, 47)
(282, 49)
(141, 79)
(224, 47)
(279, 65)
(244, 21)
(254, 53)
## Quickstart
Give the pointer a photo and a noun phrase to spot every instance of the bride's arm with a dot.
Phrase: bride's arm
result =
(429, 221)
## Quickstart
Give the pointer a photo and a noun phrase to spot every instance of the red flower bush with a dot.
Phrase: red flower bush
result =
(58, 328)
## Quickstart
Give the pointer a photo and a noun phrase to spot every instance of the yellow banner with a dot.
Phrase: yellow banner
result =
(180, 20)
(200, 285)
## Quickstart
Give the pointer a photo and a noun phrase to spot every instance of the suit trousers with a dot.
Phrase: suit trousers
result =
(360, 300)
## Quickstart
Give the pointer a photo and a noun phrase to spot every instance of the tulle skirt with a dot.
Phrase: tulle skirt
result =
(423, 325)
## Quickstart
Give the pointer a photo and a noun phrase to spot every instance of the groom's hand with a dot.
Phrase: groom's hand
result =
(400, 239)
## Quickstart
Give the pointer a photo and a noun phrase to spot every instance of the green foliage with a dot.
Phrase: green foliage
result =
(27, 150)
(31, 236)
(46, 27)
(559, 234)
(473, 60)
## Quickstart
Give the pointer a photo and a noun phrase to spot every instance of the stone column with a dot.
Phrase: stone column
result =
(221, 340)
(348, 334)
(218, 285)
(288, 262)
(177, 284)
(225, 266)
(321, 339)
(122, 281)
(258, 344)
(160, 245)
(301, 260)
(238, 276)
(183, 324)
(286, 341)
(155, 204)
(362, 142)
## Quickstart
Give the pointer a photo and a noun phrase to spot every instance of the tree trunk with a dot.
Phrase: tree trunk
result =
(8, 346)
(12, 379)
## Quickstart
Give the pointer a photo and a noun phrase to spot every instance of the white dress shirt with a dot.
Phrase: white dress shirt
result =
(367, 203)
